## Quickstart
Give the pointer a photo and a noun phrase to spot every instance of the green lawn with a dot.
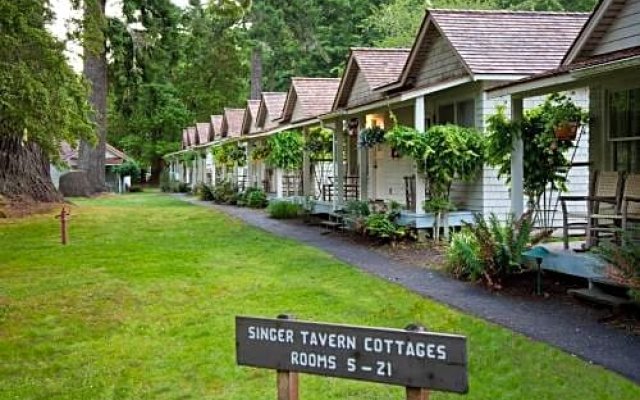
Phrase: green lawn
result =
(141, 305)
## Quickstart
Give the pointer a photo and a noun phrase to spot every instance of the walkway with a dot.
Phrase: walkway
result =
(571, 328)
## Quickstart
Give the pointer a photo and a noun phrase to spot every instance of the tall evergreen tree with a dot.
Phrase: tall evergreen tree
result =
(43, 102)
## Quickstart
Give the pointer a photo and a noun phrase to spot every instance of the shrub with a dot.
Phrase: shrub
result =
(135, 189)
(357, 208)
(255, 198)
(383, 226)
(489, 249)
(204, 192)
(623, 264)
(283, 209)
(182, 187)
(225, 193)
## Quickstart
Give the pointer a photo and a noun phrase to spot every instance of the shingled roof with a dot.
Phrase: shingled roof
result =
(250, 114)
(309, 97)
(216, 127)
(498, 42)
(204, 132)
(232, 122)
(272, 104)
(378, 66)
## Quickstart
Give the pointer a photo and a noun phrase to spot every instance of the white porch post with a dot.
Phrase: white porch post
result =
(338, 165)
(363, 164)
(517, 165)
(307, 184)
(250, 165)
(420, 126)
(279, 182)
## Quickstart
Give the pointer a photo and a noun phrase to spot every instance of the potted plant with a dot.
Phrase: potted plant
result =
(370, 137)
(565, 117)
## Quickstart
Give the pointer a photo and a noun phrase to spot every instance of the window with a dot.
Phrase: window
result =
(624, 128)
(461, 113)
(624, 114)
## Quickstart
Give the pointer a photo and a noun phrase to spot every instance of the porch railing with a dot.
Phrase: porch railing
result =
(351, 189)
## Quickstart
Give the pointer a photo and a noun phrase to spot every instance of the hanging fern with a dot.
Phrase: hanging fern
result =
(286, 150)
(319, 143)
(261, 152)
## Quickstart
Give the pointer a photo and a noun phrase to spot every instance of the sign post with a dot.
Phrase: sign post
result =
(63, 224)
(418, 360)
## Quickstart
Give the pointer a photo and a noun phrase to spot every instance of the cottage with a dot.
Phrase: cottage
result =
(456, 57)
(605, 57)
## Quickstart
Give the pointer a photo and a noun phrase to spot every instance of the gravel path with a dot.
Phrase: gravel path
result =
(569, 327)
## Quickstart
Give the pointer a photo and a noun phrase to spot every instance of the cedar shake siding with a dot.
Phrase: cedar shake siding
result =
(613, 26)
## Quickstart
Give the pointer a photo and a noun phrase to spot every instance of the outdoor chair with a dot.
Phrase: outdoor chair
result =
(602, 204)
(630, 201)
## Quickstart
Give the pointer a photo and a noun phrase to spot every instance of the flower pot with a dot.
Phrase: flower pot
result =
(566, 130)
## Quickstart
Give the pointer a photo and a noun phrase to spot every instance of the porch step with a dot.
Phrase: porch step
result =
(596, 295)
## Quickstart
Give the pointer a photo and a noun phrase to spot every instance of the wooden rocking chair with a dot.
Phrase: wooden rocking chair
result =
(602, 206)
(630, 201)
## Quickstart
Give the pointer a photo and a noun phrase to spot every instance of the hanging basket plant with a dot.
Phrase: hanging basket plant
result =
(370, 137)
(319, 143)
(564, 116)
(230, 154)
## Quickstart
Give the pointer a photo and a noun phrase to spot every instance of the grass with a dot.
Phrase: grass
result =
(141, 305)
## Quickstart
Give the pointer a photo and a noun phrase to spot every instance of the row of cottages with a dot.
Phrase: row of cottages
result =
(445, 77)
(605, 57)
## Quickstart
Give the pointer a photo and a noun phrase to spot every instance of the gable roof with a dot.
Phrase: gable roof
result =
(113, 156)
(216, 126)
(204, 132)
(378, 66)
(602, 17)
(272, 103)
(232, 122)
(313, 97)
(497, 42)
(250, 113)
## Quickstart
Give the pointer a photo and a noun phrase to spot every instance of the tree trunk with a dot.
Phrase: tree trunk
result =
(256, 72)
(157, 164)
(24, 171)
(92, 158)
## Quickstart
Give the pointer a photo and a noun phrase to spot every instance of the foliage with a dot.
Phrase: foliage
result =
(545, 163)
(319, 144)
(623, 262)
(406, 140)
(444, 153)
(229, 154)
(559, 110)
(128, 168)
(452, 152)
(279, 209)
(118, 319)
(135, 189)
(286, 150)
(42, 99)
(225, 192)
(204, 191)
(489, 249)
(306, 37)
(382, 224)
(357, 208)
(253, 197)
(370, 137)
(261, 151)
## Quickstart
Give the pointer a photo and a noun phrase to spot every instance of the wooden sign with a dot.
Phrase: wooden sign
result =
(399, 357)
